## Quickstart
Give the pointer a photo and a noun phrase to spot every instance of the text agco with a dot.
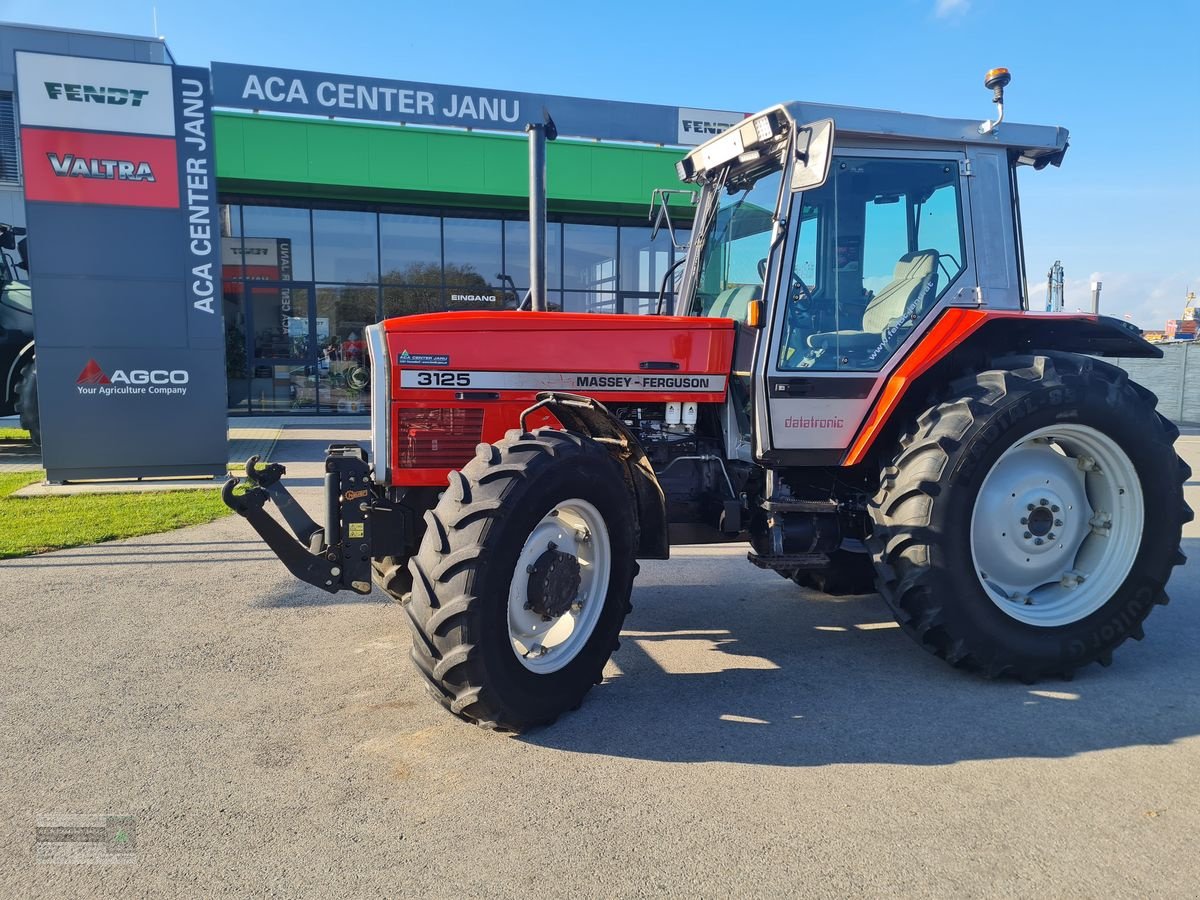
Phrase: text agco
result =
(149, 376)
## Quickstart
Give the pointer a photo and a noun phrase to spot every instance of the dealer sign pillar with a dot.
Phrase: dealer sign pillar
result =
(124, 245)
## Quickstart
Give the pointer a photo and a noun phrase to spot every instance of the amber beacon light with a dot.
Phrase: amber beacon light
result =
(996, 80)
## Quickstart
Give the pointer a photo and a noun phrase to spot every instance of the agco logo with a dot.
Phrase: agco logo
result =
(87, 93)
(93, 380)
(71, 166)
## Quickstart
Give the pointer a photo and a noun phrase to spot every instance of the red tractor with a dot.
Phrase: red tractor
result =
(850, 382)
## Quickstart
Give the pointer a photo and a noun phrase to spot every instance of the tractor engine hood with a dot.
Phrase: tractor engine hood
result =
(445, 381)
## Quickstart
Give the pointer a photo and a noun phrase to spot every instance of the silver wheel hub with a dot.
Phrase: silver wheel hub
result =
(1057, 525)
(559, 586)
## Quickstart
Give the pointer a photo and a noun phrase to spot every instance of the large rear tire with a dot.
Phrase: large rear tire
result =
(523, 579)
(1028, 523)
(27, 402)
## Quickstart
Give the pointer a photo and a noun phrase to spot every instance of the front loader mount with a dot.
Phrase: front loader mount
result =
(359, 520)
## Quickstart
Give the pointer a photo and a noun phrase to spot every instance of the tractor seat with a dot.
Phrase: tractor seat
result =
(912, 289)
(732, 303)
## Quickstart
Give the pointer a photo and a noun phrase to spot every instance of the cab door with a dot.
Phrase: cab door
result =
(872, 256)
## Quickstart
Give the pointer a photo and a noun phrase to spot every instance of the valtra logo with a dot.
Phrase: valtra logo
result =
(94, 381)
(109, 169)
(71, 166)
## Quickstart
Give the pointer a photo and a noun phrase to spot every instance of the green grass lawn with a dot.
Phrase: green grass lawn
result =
(14, 436)
(37, 524)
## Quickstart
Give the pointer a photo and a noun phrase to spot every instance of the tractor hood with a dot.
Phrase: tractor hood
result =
(442, 383)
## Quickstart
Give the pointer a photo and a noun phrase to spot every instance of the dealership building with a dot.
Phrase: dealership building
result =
(346, 199)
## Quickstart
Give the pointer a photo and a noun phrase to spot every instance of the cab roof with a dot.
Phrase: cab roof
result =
(1036, 145)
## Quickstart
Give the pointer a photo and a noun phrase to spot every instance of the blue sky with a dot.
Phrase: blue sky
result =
(1124, 78)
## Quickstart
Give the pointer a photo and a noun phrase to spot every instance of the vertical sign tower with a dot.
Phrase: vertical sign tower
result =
(124, 243)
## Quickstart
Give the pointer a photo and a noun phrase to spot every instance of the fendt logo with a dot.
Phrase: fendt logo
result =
(696, 126)
(71, 166)
(86, 93)
(94, 381)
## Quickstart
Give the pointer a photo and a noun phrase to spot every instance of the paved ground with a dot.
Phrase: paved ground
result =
(751, 740)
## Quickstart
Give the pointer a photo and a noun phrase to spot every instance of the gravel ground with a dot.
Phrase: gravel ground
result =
(751, 739)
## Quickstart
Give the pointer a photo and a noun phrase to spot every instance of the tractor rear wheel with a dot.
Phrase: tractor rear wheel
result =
(1028, 523)
(27, 402)
(523, 579)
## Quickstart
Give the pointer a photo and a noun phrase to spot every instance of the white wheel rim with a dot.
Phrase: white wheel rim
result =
(1057, 525)
(544, 643)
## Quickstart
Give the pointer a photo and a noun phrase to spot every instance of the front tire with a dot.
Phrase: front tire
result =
(1028, 524)
(523, 579)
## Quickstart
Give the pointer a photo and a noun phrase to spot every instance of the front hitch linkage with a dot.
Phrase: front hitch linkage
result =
(335, 557)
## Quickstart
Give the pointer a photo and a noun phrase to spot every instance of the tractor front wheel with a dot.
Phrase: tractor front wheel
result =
(523, 579)
(1028, 524)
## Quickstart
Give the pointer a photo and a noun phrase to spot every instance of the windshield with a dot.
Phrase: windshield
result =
(735, 243)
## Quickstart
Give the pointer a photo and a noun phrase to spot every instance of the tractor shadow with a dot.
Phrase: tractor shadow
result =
(722, 663)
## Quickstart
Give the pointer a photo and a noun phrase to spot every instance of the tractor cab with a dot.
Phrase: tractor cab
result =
(833, 247)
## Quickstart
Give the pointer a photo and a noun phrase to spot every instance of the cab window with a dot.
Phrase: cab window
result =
(878, 245)
(736, 243)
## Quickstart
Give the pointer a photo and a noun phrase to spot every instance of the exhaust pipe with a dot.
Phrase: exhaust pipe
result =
(539, 133)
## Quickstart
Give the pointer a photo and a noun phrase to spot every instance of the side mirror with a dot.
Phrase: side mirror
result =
(814, 151)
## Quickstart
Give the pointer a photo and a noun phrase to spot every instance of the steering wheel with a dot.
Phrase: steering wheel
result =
(801, 296)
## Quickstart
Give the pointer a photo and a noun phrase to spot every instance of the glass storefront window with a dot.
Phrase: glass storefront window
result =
(472, 251)
(589, 257)
(644, 262)
(286, 229)
(283, 388)
(516, 254)
(590, 301)
(280, 321)
(645, 304)
(410, 301)
(411, 249)
(231, 220)
(236, 367)
(345, 245)
(343, 314)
